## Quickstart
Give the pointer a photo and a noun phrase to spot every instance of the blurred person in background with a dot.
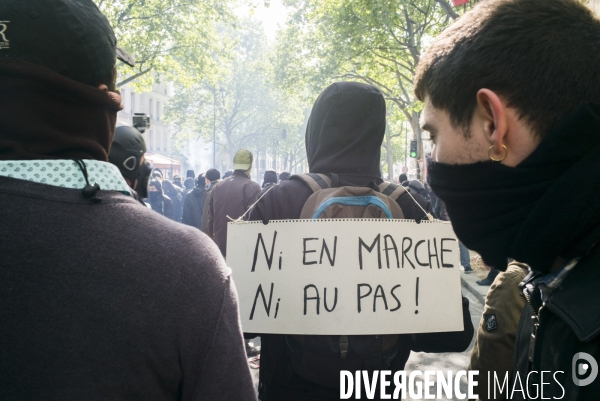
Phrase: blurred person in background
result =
(193, 207)
(157, 174)
(231, 198)
(127, 153)
(270, 178)
(159, 202)
(211, 179)
(177, 182)
(176, 195)
(189, 184)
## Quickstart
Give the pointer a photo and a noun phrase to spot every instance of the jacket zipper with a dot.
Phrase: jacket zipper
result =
(536, 325)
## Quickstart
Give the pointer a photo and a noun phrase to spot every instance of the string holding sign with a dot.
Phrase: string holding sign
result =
(240, 220)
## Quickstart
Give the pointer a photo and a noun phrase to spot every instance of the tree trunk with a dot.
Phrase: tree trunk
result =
(230, 145)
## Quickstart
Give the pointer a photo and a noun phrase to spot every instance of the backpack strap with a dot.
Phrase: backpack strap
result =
(392, 190)
(316, 182)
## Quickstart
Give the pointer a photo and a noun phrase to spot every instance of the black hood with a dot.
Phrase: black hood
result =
(189, 183)
(199, 192)
(345, 131)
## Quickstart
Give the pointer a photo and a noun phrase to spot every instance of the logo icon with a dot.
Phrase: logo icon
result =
(491, 323)
(584, 369)
(3, 40)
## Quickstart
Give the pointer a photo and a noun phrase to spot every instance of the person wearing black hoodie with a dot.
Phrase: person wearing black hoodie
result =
(211, 179)
(159, 202)
(176, 195)
(270, 178)
(343, 136)
(189, 184)
(193, 205)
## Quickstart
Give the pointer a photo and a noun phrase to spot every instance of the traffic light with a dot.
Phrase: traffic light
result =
(413, 149)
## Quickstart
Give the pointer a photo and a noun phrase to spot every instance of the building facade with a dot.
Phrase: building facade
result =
(158, 137)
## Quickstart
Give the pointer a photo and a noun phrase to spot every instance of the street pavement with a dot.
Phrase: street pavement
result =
(469, 283)
(445, 361)
(450, 361)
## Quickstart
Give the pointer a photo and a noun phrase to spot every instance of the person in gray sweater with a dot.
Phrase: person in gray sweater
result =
(94, 307)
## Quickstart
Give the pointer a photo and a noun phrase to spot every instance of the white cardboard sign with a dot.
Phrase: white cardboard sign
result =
(349, 276)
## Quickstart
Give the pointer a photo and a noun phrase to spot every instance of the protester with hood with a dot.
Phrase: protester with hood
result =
(270, 178)
(157, 174)
(429, 195)
(189, 184)
(284, 176)
(231, 198)
(190, 174)
(515, 121)
(127, 153)
(94, 306)
(344, 136)
(193, 207)
(159, 202)
(402, 179)
(177, 182)
(176, 195)
(211, 179)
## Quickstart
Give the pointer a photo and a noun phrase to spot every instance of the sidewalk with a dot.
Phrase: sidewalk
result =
(469, 282)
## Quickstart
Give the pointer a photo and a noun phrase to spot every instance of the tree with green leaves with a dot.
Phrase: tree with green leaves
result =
(239, 107)
(374, 41)
(175, 39)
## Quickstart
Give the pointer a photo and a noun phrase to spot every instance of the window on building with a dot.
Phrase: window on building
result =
(158, 111)
(124, 98)
(150, 108)
(132, 102)
(150, 140)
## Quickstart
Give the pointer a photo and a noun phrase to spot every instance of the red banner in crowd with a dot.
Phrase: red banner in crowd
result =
(459, 2)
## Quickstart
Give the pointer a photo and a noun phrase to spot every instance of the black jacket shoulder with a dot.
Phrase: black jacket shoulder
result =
(569, 325)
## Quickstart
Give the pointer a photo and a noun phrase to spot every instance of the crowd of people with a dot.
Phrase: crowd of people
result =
(113, 278)
(194, 205)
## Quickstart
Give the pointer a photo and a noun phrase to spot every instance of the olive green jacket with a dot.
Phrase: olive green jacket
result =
(495, 342)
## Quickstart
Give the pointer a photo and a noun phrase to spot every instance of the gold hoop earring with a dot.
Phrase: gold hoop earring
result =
(497, 160)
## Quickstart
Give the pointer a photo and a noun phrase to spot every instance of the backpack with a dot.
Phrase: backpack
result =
(320, 358)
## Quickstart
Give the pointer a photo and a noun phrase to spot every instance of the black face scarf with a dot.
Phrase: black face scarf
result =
(546, 207)
(345, 131)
